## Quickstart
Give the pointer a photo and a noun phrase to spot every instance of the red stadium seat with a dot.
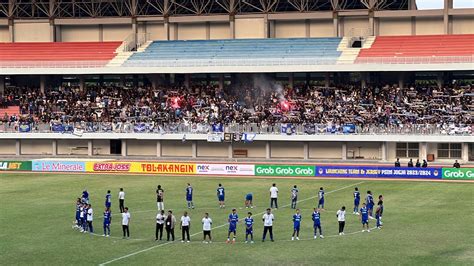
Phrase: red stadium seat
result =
(420, 46)
(10, 110)
(57, 51)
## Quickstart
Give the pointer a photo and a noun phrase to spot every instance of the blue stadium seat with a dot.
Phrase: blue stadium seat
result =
(160, 53)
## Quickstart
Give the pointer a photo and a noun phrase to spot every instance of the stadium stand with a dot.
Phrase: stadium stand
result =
(452, 46)
(376, 106)
(32, 54)
(280, 49)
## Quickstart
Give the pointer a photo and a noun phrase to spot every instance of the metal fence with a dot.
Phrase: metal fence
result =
(293, 129)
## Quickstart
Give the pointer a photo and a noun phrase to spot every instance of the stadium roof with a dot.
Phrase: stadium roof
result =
(133, 8)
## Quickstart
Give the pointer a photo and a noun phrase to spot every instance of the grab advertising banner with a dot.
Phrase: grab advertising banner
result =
(284, 170)
(458, 173)
(378, 172)
(58, 166)
(141, 167)
(225, 169)
(15, 165)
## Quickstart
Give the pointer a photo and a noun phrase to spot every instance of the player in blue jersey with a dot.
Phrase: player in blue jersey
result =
(108, 199)
(296, 225)
(77, 221)
(364, 217)
(189, 196)
(316, 217)
(249, 200)
(249, 228)
(321, 198)
(85, 196)
(356, 200)
(379, 212)
(369, 201)
(221, 196)
(233, 220)
(107, 221)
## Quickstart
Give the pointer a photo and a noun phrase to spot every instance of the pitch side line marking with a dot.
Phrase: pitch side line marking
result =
(220, 226)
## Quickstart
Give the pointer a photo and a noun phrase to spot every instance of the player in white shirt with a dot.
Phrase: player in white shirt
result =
(206, 228)
(341, 218)
(185, 224)
(274, 196)
(121, 197)
(125, 223)
(268, 224)
(90, 217)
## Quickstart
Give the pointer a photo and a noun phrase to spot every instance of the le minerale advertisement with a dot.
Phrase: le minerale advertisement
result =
(458, 173)
(58, 166)
(284, 170)
(15, 165)
(378, 172)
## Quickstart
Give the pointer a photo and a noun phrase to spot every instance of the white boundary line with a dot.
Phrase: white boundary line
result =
(220, 226)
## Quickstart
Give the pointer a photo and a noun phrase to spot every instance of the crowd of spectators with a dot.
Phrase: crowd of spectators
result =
(448, 107)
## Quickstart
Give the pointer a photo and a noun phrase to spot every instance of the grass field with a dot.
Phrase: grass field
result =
(424, 223)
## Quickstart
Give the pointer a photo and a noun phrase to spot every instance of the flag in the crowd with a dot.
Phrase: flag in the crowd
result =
(248, 137)
(78, 132)
(309, 129)
(217, 128)
(140, 128)
(214, 137)
(348, 129)
(24, 127)
(57, 128)
(68, 128)
(288, 129)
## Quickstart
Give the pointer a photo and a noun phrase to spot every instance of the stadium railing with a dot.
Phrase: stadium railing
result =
(53, 64)
(243, 62)
(252, 128)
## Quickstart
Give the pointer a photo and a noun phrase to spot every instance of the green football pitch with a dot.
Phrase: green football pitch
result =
(429, 223)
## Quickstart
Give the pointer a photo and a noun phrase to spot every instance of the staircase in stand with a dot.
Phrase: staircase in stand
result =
(123, 54)
(349, 54)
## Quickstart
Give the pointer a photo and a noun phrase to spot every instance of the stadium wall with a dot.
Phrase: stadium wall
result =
(373, 151)
(4, 33)
(32, 31)
(394, 26)
(321, 28)
(249, 28)
(463, 25)
(80, 33)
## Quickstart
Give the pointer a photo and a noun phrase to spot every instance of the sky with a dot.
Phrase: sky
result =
(439, 4)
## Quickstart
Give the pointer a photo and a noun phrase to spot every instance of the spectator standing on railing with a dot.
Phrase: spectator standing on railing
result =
(456, 164)
(397, 163)
(425, 164)
(417, 164)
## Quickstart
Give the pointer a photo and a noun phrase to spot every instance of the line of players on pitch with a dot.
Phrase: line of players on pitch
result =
(85, 213)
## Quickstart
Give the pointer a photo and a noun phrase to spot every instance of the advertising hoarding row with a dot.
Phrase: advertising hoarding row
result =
(342, 171)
